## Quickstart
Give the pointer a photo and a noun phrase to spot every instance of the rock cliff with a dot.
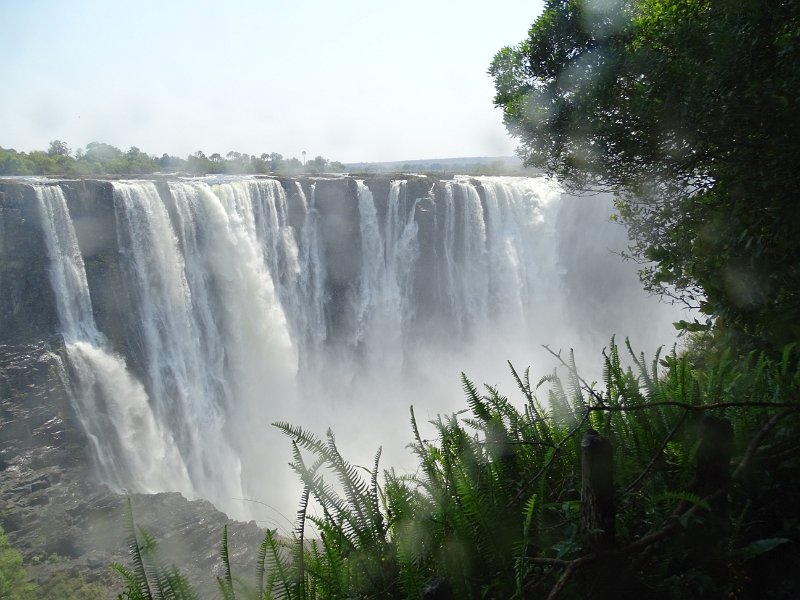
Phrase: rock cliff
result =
(60, 519)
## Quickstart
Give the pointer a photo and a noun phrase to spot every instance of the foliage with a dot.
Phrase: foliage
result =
(149, 578)
(103, 159)
(66, 585)
(687, 110)
(494, 507)
(13, 579)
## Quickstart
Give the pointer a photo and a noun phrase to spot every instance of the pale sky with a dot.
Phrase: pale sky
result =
(354, 80)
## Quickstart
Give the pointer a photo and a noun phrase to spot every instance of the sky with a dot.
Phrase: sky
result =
(355, 80)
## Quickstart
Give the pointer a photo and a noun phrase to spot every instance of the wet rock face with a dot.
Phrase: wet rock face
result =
(61, 519)
(36, 424)
(27, 304)
(91, 208)
(43, 451)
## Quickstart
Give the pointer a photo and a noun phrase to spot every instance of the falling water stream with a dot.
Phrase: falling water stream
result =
(234, 317)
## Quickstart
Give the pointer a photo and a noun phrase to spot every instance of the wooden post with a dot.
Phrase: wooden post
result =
(597, 492)
(713, 470)
(711, 480)
(601, 579)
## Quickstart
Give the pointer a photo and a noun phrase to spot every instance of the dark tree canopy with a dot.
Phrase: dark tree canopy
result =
(689, 111)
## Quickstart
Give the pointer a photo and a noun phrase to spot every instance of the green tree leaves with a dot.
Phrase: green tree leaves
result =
(13, 579)
(688, 112)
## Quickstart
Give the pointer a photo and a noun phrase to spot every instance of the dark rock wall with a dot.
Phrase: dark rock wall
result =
(91, 207)
(27, 304)
(337, 204)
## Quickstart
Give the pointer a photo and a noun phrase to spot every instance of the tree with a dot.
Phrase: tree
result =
(171, 162)
(259, 164)
(318, 165)
(276, 162)
(687, 111)
(14, 163)
(199, 164)
(13, 579)
(100, 152)
(58, 148)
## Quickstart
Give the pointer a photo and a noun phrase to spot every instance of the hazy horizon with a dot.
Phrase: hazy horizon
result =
(365, 82)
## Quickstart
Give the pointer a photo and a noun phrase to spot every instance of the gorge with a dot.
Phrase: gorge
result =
(185, 315)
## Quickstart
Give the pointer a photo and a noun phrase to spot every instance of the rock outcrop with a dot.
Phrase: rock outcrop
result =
(64, 523)
(27, 304)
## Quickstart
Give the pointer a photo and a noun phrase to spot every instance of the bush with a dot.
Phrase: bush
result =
(14, 583)
(498, 506)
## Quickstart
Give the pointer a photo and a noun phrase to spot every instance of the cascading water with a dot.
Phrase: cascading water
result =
(247, 301)
(132, 450)
(388, 254)
(464, 279)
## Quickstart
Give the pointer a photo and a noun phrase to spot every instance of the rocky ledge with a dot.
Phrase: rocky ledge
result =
(68, 527)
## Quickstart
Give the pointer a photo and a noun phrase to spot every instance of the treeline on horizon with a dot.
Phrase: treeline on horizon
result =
(99, 158)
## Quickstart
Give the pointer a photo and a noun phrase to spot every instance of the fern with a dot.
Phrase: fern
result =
(683, 496)
(300, 534)
(474, 399)
(150, 578)
(494, 506)
(139, 586)
(226, 583)
(278, 568)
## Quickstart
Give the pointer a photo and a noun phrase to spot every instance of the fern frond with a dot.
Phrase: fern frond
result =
(133, 591)
(226, 583)
(474, 400)
(276, 563)
(261, 566)
(684, 496)
(523, 386)
(376, 517)
(299, 554)
(139, 571)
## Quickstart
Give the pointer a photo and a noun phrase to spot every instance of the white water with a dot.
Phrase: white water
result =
(225, 318)
(132, 450)
(465, 281)
(385, 308)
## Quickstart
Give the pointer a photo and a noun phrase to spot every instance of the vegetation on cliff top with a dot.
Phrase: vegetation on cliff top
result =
(99, 159)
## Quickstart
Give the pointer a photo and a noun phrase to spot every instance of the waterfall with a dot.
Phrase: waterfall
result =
(310, 311)
(389, 252)
(246, 301)
(464, 278)
(133, 452)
